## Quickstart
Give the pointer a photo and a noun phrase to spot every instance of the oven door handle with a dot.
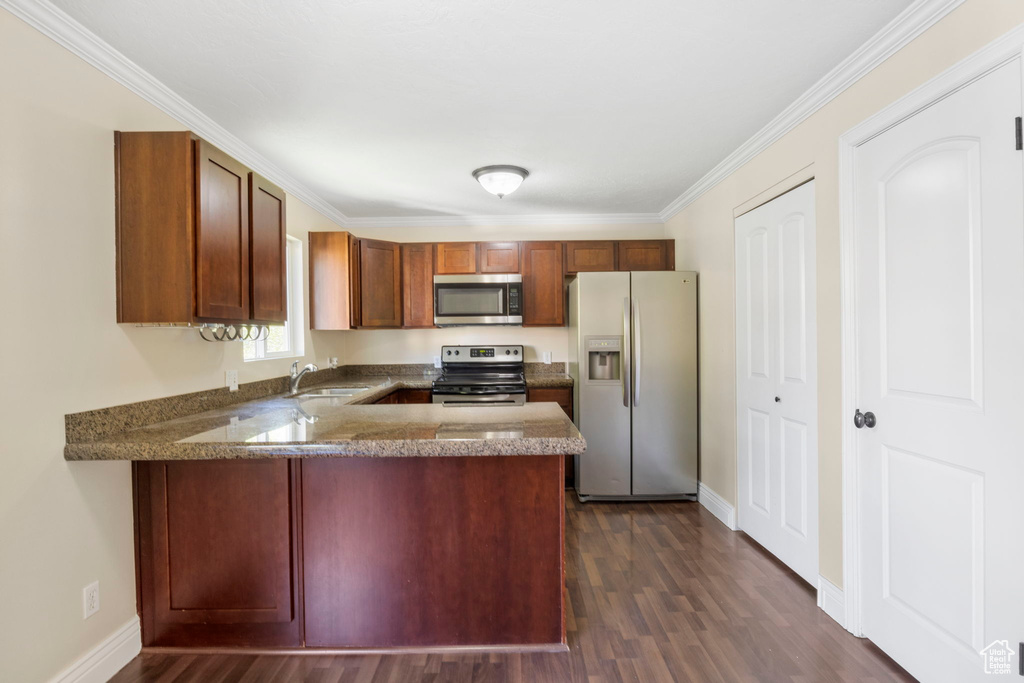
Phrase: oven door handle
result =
(470, 399)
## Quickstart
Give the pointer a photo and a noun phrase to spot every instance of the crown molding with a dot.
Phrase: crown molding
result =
(67, 32)
(502, 220)
(908, 25)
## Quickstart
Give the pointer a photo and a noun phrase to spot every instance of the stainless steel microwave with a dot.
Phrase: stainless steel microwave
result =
(478, 300)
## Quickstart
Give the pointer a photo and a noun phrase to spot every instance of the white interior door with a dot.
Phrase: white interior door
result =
(940, 363)
(777, 379)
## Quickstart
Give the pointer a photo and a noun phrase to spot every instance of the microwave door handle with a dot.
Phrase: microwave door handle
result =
(638, 368)
(625, 360)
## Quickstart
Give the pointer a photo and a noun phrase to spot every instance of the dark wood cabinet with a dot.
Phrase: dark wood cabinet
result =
(380, 276)
(589, 256)
(647, 255)
(563, 397)
(417, 285)
(222, 236)
(499, 257)
(406, 396)
(268, 250)
(184, 229)
(456, 258)
(333, 281)
(219, 560)
(433, 551)
(543, 284)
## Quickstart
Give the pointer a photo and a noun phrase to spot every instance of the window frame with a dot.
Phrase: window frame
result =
(295, 324)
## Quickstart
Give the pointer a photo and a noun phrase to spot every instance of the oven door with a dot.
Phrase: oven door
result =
(476, 300)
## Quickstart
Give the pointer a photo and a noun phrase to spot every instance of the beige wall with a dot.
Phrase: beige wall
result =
(704, 242)
(64, 525)
(420, 346)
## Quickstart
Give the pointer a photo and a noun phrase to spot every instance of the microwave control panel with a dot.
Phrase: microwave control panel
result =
(515, 298)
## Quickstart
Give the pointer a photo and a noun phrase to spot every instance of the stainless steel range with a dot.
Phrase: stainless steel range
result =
(480, 375)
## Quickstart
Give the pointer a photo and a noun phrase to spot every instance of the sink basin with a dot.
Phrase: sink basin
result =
(327, 392)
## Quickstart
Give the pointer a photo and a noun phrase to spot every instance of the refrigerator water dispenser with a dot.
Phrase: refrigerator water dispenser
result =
(604, 359)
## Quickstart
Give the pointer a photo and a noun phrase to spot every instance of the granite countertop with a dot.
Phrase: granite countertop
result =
(282, 426)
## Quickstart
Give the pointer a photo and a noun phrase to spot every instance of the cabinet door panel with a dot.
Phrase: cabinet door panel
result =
(456, 258)
(222, 236)
(380, 277)
(268, 240)
(543, 284)
(499, 257)
(218, 552)
(586, 257)
(646, 255)
(417, 285)
(332, 301)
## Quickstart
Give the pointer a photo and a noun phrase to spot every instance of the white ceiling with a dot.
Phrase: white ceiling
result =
(384, 107)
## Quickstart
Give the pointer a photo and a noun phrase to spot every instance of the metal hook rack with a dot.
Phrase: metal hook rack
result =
(230, 333)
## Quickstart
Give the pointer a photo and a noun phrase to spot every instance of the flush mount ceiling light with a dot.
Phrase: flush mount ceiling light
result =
(502, 179)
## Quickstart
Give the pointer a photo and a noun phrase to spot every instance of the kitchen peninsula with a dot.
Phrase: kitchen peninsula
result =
(321, 521)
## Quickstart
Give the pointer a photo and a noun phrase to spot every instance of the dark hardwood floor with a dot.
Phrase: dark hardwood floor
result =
(656, 592)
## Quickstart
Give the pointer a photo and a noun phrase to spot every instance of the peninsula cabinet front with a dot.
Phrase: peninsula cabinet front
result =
(351, 552)
(200, 237)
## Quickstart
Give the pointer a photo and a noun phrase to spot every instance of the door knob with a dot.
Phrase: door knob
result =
(861, 420)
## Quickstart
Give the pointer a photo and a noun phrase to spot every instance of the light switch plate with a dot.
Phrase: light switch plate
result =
(231, 379)
(437, 361)
(546, 356)
(332, 362)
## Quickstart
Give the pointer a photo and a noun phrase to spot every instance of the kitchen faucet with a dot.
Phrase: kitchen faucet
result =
(298, 374)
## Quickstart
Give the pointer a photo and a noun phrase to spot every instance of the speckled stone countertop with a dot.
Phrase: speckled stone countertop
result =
(304, 426)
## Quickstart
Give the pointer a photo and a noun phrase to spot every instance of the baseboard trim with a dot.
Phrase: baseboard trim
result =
(831, 600)
(359, 651)
(717, 506)
(99, 664)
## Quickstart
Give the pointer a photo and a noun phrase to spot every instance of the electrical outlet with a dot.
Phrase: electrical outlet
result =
(437, 361)
(91, 599)
(231, 379)
(332, 362)
(546, 356)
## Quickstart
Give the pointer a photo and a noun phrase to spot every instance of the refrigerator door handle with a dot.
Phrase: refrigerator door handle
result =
(638, 367)
(625, 361)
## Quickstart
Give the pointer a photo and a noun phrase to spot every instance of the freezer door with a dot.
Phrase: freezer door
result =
(596, 309)
(664, 439)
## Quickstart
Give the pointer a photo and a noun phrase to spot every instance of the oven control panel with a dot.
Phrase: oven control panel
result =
(482, 354)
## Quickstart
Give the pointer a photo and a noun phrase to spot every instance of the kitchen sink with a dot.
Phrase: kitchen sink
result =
(328, 392)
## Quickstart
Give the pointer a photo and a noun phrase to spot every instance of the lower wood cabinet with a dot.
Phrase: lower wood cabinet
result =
(350, 552)
(218, 554)
(407, 396)
(563, 397)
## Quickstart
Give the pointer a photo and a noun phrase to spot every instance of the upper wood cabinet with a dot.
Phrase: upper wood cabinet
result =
(417, 285)
(380, 273)
(499, 257)
(333, 281)
(456, 258)
(268, 249)
(584, 256)
(184, 234)
(543, 284)
(647, 255)
(222, 235)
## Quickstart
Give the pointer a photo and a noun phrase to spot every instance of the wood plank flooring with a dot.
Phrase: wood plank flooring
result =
(656, 592)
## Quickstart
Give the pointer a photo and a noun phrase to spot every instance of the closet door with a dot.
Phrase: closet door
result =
(776, 379)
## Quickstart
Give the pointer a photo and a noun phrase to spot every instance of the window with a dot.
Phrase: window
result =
(284, 341)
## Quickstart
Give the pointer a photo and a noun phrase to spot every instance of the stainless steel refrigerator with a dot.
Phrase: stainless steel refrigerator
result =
(633, 359)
